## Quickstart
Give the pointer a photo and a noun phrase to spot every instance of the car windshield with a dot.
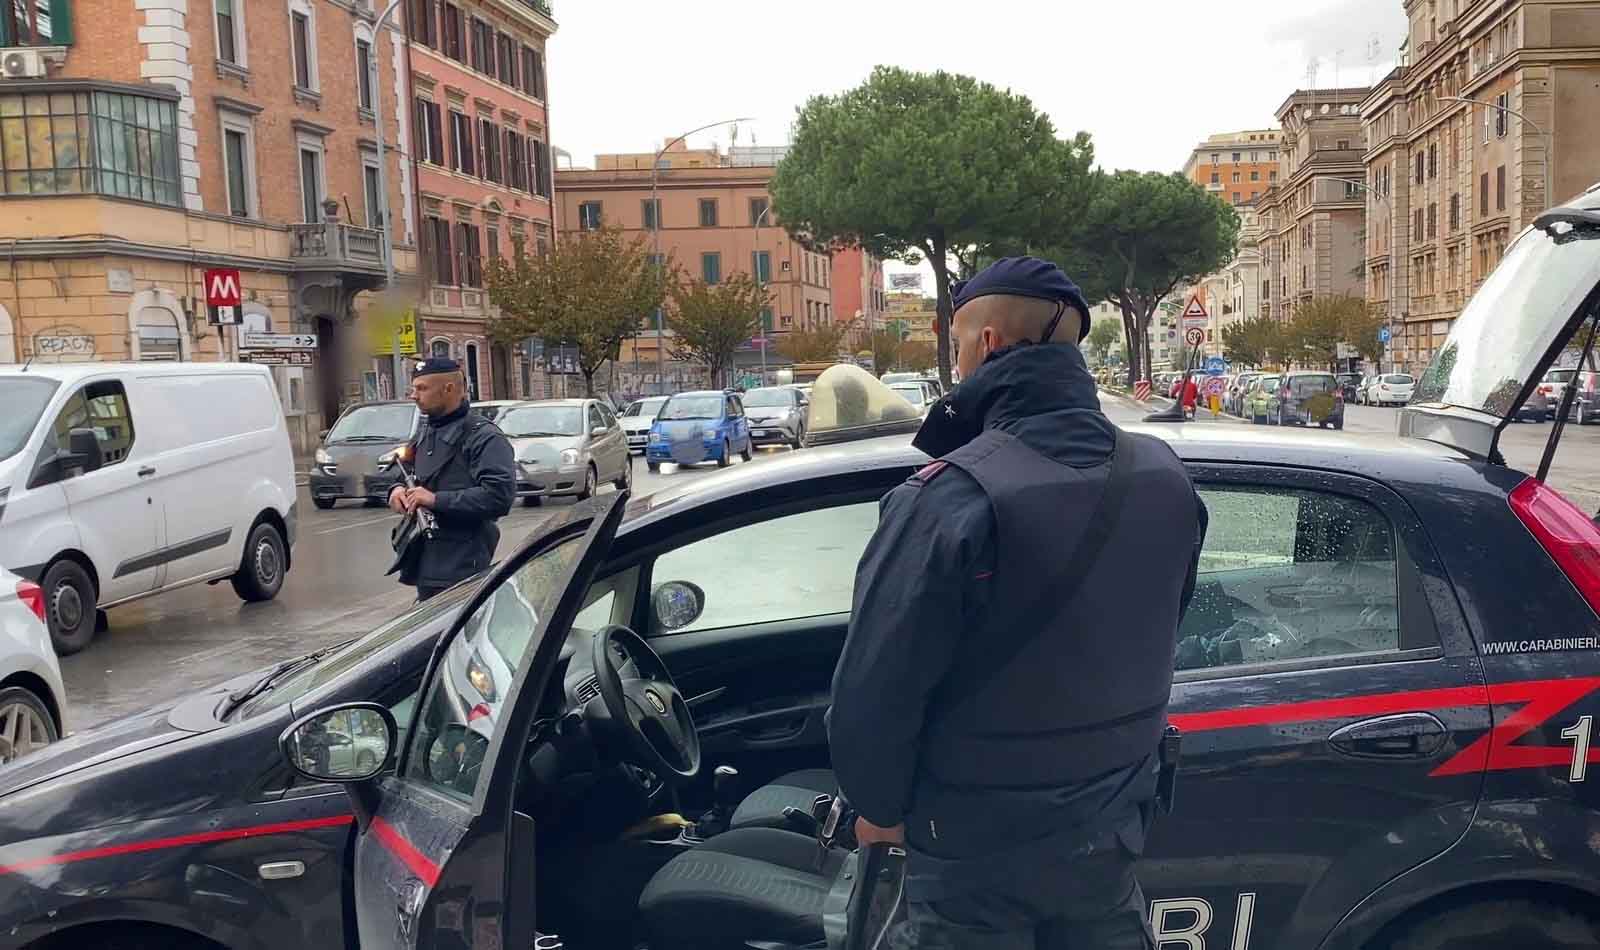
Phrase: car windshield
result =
(911, 392)
(1310, 385)
(769, 397)
(24, 398)
(526, 422)
(644, 407)
(692, 407)
(1398, 379)
(1560, 375)
(889, 379)
(336, 664)
(390, 423)
(489, 412)
(1268, 383)
(1514, 319)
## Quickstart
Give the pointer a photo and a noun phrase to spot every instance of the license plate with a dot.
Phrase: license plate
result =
(758, 431)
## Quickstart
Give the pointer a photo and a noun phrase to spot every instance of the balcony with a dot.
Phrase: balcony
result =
(333, 245)
(1336, 156)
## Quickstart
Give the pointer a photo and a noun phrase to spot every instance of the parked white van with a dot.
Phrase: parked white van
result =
(122, 480)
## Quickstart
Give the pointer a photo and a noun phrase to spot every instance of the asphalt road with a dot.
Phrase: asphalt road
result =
(164, 645)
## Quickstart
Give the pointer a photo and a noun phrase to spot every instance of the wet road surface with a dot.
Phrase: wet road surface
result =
(162, 646)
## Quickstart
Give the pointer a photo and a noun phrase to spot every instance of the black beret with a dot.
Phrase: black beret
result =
(437, 364)
(1023, 277)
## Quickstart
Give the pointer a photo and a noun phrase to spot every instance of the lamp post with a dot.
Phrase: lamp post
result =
(755, 259)
(1549, 141)
(383, 175)
(1400, 289)
(655, 170)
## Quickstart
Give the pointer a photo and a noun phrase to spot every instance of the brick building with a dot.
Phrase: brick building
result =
(143, 144)
(1235, 166)
(1451, 181)
(858, 288)
(1312, 221)
(479, 93)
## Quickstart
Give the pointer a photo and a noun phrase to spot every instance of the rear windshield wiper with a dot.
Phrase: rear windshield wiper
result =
(370, 438)
(275, 675)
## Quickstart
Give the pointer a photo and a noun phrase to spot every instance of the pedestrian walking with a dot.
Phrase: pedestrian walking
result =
(1001, 699)
(466, 476)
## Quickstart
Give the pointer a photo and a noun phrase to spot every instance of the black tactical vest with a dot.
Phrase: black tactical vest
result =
(1088, 692)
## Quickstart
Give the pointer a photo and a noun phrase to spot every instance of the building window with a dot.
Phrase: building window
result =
(311, 183)
(1483, 194)
(1433, 220)
(364, 74)
(89, 143)
(1236, 157)
(1216, 157)
(1235, 178)
(159, 336)
(303, 39)
(461, 152)
(238, 162)
(1272, 176)
(492, 237)
(423, 28)
(650, 211)
(541, 168)
(527, 70)
(482, 47)
(489, 138)
(708, 213)
(589, 216)
(1455, 212)
(430, 135)
(1216, 178)
(470, 265)
(36, 23)
(1500, 188)
(516, 162)
(711, 267)
(1236, 197)
(436, 250)
(1255, 174)
(1416, 225)
(1433, 161)
(453, 46)
(1421, 167)
(760, 212)
(766, 320)
(761, 266)
(230, 38)
(533, 79)
(508, 60)
(371, 190)
(1502, 102)
(439, 349)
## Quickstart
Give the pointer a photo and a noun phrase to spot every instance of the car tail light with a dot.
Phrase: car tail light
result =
(1567, 534)
(1544, 390)
(478, 712)
(32, 595)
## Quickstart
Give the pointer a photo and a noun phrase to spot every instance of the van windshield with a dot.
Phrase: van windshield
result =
(390, 423)
(24, 398)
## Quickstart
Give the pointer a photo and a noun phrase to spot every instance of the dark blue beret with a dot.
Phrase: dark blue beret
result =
(437, 364)
(1024, 277)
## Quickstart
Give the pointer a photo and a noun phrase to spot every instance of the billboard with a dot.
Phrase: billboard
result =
(910, 281)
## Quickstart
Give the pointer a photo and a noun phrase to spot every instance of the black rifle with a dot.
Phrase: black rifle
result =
(416, 525)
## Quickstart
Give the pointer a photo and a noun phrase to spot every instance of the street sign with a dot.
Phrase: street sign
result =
(223, 316)
(279, 341)
(1141, 390)
(382, 328)
(1194, 315)
(1214, 386)
(1383, 335)
(1216, 366)
(1193, 336)
(278, 357)
(222, 287)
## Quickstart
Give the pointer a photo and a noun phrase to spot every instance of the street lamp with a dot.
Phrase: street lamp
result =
(755, 258)
(655, 169)
(1400, 289)
(1549, 142)
(383, 174)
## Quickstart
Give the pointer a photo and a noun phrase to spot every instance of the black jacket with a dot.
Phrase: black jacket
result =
(466, 461)
(925, 595)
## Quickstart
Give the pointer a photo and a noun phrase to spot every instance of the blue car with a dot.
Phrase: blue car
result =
(699, 427)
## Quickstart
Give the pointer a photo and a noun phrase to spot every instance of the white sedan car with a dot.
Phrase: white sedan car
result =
(31, 695)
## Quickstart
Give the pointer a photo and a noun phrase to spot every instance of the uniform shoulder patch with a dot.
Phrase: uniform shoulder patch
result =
(929, 472)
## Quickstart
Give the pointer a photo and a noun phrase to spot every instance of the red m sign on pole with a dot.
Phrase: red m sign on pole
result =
(222, 287)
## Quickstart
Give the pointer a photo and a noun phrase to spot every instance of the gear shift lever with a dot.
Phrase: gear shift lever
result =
(725, 796)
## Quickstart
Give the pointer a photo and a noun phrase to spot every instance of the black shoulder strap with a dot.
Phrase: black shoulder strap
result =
(990, 663)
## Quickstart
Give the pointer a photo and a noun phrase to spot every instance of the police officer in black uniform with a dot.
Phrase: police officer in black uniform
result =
(466, 475)
(1002, 694)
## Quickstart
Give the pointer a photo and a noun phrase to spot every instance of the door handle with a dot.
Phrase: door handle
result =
(1416, 735)
(146, 471)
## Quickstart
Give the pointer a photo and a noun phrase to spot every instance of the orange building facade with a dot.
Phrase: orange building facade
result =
(1237, 167)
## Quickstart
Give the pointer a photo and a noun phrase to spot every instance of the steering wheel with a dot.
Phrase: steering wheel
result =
(646, 705)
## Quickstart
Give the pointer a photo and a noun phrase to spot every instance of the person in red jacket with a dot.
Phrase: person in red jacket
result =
(1191, 396)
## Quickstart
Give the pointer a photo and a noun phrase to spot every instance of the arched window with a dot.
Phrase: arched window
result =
(159, 335)
(8, 337)
(439, 349)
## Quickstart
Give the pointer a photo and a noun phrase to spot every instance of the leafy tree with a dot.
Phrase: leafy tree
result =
(710, 321)
(588, 290)
(1143, 234)
(933, 165)
(918, 356)
(1248, 342)
(886, 349)
(1102, 336)
(818, 344)
(1320, 324)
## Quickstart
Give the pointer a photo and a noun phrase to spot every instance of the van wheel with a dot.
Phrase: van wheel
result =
(260, 576)
(324, 503)
(1497, 924)
(727, 455)
(749, 449)
(69, 604)
(25, 723)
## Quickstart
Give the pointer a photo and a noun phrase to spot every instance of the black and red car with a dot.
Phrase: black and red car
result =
(1387, 685)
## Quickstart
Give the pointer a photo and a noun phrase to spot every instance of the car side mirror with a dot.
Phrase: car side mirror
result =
(676, 604)
(83, 452)
(598, 431)
(307, 743)
(323, 435)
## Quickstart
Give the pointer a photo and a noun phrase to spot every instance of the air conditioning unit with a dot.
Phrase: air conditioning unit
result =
(22, 64)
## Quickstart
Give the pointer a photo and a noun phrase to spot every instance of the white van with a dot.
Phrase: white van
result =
(122, 480)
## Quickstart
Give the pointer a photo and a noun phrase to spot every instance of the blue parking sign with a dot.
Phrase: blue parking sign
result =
(1216, 366)
(1383, 334)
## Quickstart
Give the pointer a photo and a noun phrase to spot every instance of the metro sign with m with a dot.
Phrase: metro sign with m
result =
(222, 288)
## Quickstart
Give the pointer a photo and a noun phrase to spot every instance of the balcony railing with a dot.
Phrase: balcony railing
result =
(336, 243)
(541, 7)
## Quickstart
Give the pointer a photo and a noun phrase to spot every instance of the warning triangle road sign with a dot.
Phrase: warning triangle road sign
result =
(1195, 313)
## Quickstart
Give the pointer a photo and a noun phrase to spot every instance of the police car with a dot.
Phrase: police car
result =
(1387, 685)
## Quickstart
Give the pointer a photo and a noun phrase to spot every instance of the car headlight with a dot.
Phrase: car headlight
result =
(569, 456)
(387, 459)
(323, 458)
(710, 431)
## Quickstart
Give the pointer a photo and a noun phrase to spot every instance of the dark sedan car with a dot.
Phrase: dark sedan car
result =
(356, 457)
(1386, 682)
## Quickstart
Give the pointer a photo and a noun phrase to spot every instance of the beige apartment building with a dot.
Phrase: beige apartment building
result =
(713, 222)
(1451, 181)
(1237, 167)
(1312, 221)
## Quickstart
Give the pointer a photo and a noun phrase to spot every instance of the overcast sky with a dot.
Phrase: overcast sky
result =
(1148, 79)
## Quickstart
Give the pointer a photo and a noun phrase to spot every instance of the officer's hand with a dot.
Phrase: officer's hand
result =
(418, 497)
(868, 833)
(397, 499)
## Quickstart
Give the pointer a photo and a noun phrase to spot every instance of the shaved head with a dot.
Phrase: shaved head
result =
(997, 320)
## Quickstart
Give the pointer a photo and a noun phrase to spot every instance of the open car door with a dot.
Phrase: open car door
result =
(442, 858)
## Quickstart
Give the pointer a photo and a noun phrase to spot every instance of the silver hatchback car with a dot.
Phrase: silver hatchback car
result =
(566, 447)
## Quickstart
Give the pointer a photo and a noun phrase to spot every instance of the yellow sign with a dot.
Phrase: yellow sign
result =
(381, 330)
